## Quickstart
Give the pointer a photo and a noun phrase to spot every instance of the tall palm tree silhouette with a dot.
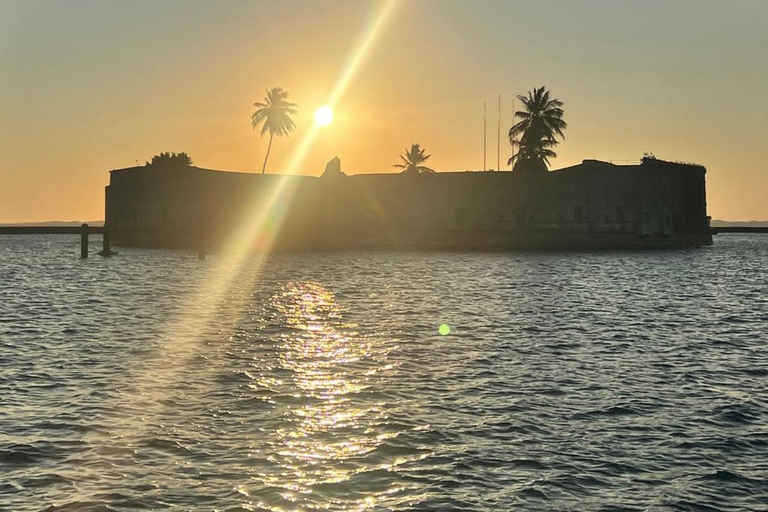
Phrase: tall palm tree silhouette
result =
(412, 161)
(274, 116)
(536, 133)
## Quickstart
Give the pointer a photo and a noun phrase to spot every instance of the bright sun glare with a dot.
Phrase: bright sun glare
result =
(324, 116)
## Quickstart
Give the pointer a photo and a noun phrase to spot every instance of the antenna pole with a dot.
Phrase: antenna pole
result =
(485, 129)
(498, 137)
(513, 121)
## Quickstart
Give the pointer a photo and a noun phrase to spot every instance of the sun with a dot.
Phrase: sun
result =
(324, 116)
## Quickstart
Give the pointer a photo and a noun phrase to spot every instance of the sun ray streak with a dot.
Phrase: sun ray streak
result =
(256, 233)
(357, 58)
(255, 221)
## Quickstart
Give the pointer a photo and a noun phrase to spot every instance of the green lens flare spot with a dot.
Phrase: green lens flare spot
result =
(445, 329)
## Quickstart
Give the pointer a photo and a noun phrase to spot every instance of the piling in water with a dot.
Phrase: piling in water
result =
(84, 241)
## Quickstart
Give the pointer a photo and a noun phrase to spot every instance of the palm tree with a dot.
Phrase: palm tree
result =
(536, 133)
(275, 117)
(412, 161)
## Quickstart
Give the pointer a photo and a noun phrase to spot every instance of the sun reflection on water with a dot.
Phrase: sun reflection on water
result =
(328, 429)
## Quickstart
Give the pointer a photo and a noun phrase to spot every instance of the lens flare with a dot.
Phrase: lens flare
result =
(444, 329)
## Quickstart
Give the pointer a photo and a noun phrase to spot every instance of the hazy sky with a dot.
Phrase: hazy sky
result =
(91, 85)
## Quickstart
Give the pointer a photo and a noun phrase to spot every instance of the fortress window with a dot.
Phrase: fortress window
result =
(165, 213)
(578, 213)
(460, 215)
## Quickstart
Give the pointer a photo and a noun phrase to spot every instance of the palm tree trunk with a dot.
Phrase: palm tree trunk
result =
(264, 167)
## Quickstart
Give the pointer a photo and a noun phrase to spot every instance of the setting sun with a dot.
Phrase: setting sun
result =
(324, 116)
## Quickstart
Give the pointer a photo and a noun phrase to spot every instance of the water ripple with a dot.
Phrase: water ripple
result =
(604, 382)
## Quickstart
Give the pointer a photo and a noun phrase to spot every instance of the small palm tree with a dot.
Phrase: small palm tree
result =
(274, 116)
(412, 161)
(540, 124)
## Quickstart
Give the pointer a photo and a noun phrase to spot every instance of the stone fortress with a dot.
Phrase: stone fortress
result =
(593, 205)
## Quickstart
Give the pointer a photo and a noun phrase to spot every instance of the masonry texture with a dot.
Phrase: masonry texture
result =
(593, 205)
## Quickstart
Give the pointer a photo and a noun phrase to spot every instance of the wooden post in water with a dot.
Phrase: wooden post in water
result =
(84, 241)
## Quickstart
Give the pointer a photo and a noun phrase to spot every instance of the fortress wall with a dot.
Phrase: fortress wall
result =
(411, 207)
(448, 201)
(584, 205)
(174, 207)
(690, 200)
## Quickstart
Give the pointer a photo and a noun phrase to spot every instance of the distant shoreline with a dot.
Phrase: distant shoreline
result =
(54, 223)
(739, 224)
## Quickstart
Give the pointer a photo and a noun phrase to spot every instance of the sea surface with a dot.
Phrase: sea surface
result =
(625, 381)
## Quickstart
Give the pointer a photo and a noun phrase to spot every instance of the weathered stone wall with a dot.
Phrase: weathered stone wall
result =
(594, 204)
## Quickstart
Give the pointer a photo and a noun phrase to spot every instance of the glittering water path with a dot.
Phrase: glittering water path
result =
(607, 381)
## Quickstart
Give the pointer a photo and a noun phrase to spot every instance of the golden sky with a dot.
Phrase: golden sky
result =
(88, 86)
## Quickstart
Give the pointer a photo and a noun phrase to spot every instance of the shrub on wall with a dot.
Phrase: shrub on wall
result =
(169, 159)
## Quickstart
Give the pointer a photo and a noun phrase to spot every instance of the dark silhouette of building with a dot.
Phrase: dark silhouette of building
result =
(591, 205)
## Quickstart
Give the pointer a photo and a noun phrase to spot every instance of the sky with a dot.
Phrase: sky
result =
(87, 86)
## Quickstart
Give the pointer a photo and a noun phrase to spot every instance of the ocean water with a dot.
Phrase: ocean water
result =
(589, 381)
